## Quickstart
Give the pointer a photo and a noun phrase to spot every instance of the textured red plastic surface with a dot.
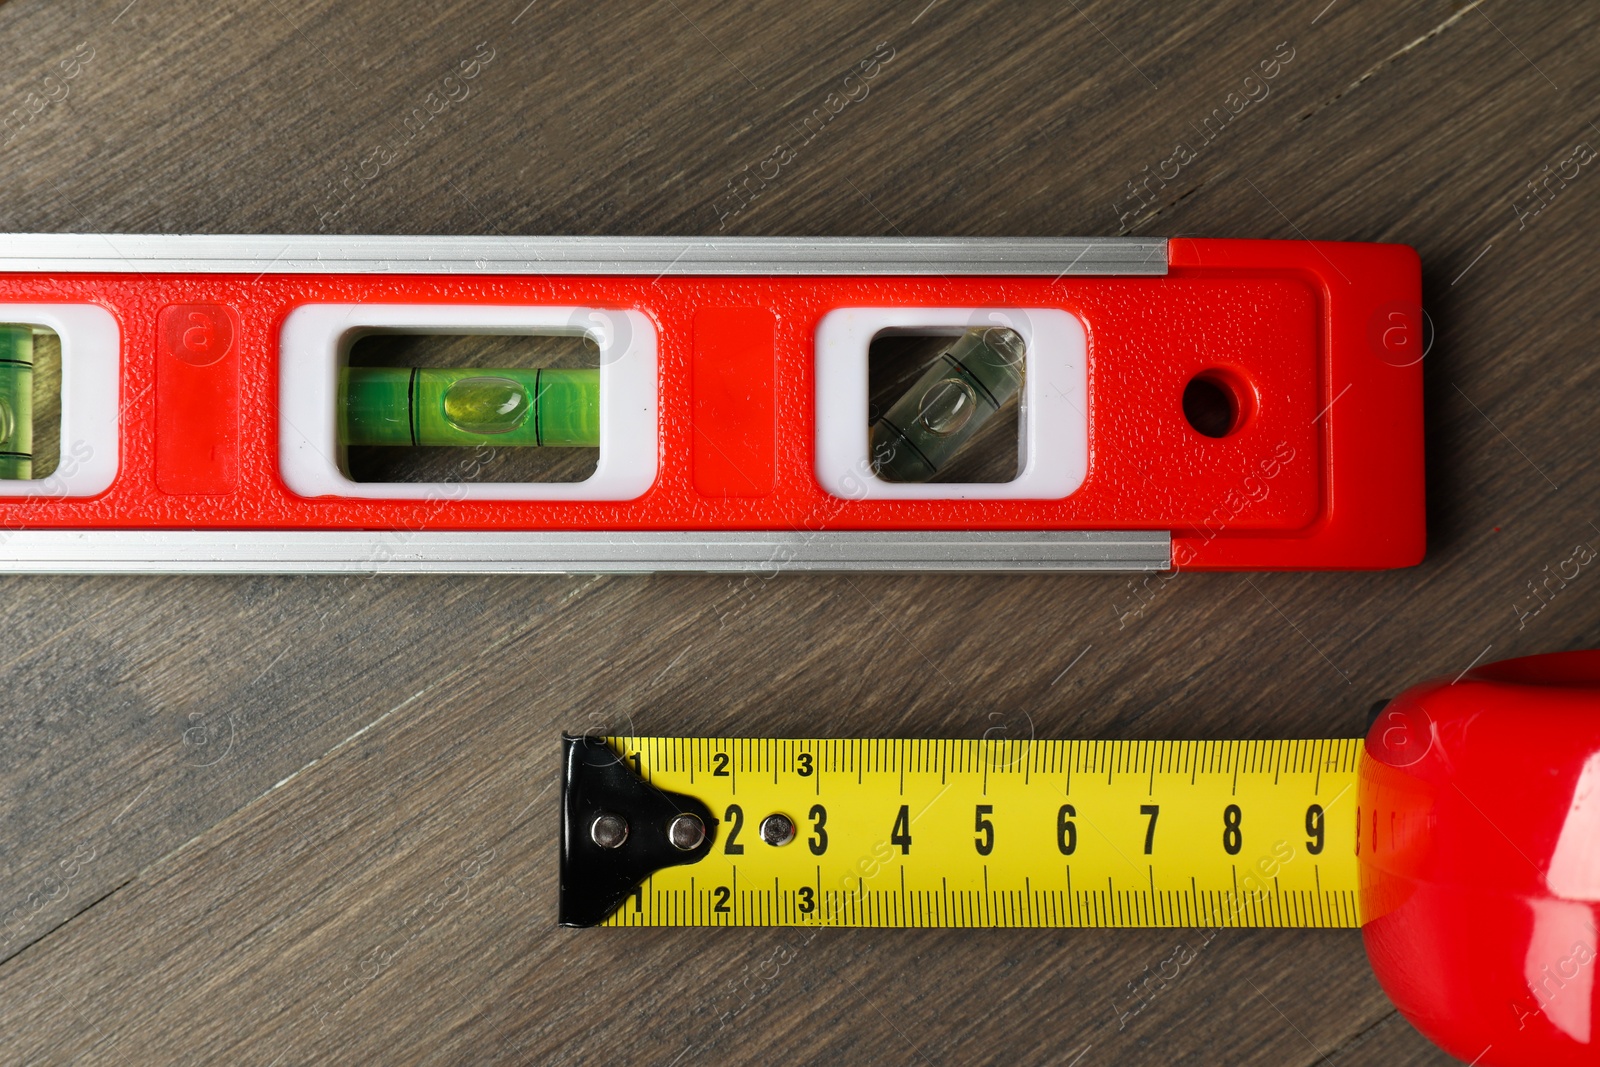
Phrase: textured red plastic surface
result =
(1368, 421)
(1326, 472)
(1480, 854)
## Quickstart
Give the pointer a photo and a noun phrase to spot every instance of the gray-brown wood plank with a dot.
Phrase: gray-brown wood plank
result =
(279, 820)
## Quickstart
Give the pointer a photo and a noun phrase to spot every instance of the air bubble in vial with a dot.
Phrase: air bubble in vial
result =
(947, 406)
(486, 405)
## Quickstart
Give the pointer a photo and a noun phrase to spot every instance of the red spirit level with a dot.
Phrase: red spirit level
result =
(209, 403)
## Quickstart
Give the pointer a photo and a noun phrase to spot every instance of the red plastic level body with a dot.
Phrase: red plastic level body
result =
(1319, 342)
(1479, 846)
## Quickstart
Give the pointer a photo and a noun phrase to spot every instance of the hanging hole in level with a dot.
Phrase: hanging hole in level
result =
(1216, 404)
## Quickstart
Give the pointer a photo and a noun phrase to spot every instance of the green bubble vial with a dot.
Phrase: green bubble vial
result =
(467, 406)
(961, 390)
(16, 401)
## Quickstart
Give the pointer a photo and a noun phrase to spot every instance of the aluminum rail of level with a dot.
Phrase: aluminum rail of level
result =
(656, 256)
(574, 552)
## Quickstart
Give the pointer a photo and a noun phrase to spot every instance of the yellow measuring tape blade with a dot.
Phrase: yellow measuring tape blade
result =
(896, 832)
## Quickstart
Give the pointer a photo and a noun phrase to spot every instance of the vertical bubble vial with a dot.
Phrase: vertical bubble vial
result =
(16, 401)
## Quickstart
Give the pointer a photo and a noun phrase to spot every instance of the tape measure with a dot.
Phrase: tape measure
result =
(1461, 835)
(897, 832)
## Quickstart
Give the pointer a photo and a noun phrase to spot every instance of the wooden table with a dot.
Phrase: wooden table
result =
(277, 820)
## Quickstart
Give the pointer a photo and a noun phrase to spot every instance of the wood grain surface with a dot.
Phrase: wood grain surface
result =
(287, 820)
